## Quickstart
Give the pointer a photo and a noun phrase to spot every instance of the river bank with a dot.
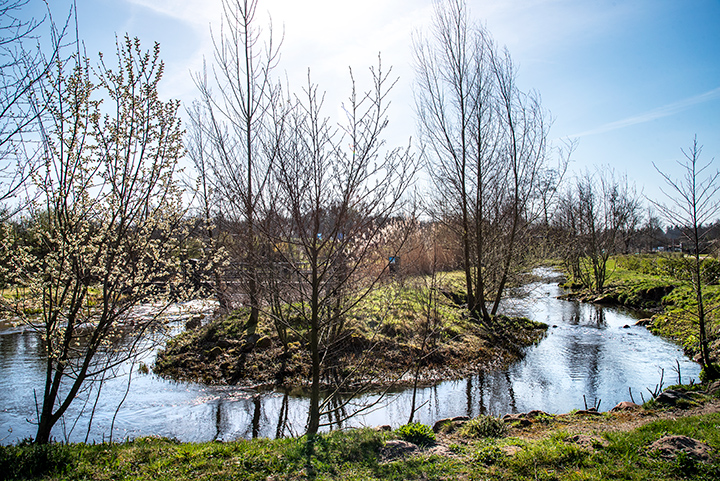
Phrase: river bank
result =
(667, 302)
(385, 338)
(654, 441)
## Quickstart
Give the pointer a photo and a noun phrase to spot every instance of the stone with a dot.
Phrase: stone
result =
(587, 412)
(671, 397)
(263, 343)
(535, 413)
(517, 419)
(626, 326)
(448, 421)
(397, 448)
(441, 450)
(625, 406)
(669, 446)
(383, 428)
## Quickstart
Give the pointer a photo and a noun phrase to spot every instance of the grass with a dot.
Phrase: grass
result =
(356, 454)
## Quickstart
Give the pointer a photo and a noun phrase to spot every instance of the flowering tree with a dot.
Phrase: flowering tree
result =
(106, 225)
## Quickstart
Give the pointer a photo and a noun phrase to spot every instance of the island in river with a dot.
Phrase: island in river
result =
(399, 333)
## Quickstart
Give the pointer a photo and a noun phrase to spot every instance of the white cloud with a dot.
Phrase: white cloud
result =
(658, 113)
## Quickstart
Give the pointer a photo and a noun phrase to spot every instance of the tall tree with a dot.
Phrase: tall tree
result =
(337, 188)
(107, 215)
(237, 114)
(456, 117)
(486, 144)
(692, 203)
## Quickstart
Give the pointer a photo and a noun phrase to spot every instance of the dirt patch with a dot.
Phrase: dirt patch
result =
(670, 447)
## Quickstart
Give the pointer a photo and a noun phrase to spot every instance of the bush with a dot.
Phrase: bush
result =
(484, 427)
(416, 433)
(27, 460)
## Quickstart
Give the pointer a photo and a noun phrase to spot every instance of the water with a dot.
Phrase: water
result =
(589, 352)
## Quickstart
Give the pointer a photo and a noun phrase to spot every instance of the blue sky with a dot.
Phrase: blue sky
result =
(633, 80)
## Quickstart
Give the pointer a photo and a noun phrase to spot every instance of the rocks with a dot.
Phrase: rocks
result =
(263, 343)
(441, 450)
(397, 448)
(524, 419)
(671, 397)
(587, 412)
(668, 447)
(625, 406)
(517, 419)
(383, 428)
(449, 424)
(536, 413)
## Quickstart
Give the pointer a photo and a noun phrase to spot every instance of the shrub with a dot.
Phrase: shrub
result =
(484, 427)
(27, 460)
(416, 433)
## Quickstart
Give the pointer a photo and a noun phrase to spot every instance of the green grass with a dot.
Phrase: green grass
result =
(355, 455)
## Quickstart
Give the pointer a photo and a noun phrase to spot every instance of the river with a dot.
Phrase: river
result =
(589, 351)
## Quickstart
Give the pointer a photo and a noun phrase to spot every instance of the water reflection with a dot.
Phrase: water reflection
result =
(589, 353)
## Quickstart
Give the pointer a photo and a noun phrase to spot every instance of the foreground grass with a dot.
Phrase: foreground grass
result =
(356, 454)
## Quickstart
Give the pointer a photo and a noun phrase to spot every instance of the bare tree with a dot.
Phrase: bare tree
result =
(199, 151)
(22, 70)
(108, 219)
(693, 202)
(237, 116)
(337, 188)
(455, 114)
(596, 210)
(486, 143)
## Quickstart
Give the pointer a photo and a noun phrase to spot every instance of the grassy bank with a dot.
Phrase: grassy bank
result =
(383, 337)
(576, 446)
(654, 284)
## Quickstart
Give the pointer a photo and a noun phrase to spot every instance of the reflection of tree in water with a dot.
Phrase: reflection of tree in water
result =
(257, 409)
(283, 416)
(469, 396)
(597, 316)
(337, 412)
(572, 313)
(496, 387)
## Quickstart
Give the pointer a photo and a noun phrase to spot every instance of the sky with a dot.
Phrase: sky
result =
(634, 81)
